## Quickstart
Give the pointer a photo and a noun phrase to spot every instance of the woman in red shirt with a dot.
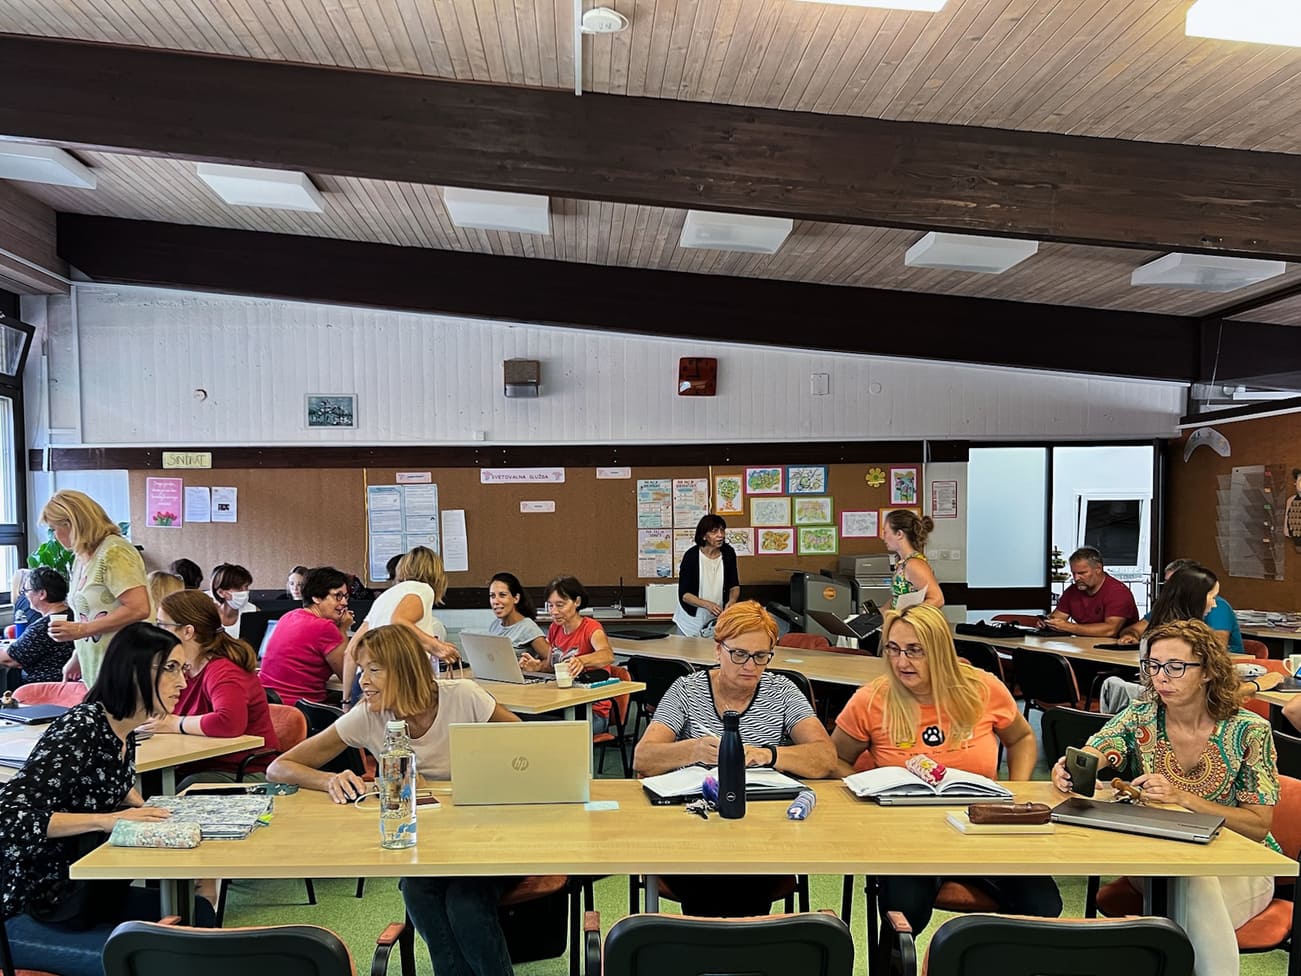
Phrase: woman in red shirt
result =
(577, 642)
(223, 698)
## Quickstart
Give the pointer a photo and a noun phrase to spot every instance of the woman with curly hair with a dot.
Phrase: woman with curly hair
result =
(1199, 750)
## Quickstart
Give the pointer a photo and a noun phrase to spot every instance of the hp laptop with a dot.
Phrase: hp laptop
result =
(493, 659)
(521, 762)
(1199, 828)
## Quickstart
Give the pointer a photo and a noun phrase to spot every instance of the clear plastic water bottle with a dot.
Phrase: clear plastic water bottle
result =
(731, 769)
(397, 789)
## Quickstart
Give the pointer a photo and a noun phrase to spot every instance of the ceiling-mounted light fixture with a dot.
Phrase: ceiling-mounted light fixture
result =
(734, 232)
(1252, 21)
(1205, 272)
(603, 20)
(927, 6)
(967, 252)
(253, 186)
(516, 213)
(43, 164)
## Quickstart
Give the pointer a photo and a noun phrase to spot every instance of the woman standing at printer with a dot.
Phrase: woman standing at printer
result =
(707, 580)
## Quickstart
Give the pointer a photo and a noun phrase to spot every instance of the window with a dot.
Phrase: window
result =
(15, 341)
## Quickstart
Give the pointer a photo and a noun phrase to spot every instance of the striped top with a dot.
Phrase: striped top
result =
(688, 709)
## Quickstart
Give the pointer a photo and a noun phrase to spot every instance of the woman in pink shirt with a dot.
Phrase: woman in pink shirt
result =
(308, 645)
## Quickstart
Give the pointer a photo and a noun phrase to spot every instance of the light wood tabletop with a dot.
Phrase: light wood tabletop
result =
(1079, 648)
(543, 697)
(843, 835)
(828, 666)
(1285, 634)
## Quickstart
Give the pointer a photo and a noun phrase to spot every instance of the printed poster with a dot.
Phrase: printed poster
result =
(690, 502)
(944, 499)
(655, 553)
(198, 504)
(225, 504)
(401, 517)
(655, 503)
(163, 503)
(683, 539)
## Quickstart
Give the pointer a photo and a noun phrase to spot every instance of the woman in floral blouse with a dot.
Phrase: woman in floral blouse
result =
(79, 780)
(1197, 749)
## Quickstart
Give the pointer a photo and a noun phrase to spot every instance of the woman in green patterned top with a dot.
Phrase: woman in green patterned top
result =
(905, 534)
(1197, 749)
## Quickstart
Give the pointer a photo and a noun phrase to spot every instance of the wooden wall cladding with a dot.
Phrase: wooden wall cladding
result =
(1191, 515)
(318, 515)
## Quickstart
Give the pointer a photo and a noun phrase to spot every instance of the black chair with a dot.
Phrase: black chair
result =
(1288, 751)
(273, 697)
(816, 944)
(1046, 680)
(146, 949)
(657, 676)
(1064, 726)
(801, 682)
(1010, 945)
(981, 655)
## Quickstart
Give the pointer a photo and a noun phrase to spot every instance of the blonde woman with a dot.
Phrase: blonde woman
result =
(421, 583)
(930, 702)
(108, 588)
(162, 585)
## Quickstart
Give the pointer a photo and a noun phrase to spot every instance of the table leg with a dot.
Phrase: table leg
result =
(169, 780)
(1160, 896)
(652, 893)
(176, 897)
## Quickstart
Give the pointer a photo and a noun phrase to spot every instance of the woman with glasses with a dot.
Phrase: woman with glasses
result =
(577, 642)
(80, 781)
(457, 917)
(932, 703)
(1197, 749)
(224, 697)
(778, 728)
(308, 644)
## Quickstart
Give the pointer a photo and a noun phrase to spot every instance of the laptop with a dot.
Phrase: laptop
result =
(1288, 686)
(1199, 828)
(33, 714)
(521, 762)
(855, 628)
(494, 658)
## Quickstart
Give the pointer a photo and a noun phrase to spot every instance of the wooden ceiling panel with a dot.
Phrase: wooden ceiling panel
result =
(1089, 67)
(413, 215)
(1280, 313)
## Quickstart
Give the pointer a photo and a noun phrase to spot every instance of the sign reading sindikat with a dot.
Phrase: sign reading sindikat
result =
(187, 459)
(521, 476)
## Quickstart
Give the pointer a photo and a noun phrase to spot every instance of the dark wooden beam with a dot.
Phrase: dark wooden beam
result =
(650, 151)
(1251, 354)
(666, 303)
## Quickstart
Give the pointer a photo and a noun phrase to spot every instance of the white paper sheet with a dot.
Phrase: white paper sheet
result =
(456, 542)
(198, 504)
(225, 504)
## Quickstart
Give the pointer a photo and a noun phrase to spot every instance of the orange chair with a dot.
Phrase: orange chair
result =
(809, 642)
(1257, 649)
(1272, 928)
(51, 693)
(1262, 708)
(619, 723)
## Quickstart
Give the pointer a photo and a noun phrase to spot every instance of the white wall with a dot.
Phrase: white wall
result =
(125, 364)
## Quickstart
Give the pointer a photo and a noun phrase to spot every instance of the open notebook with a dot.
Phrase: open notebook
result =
(896, 786)
(685, 784)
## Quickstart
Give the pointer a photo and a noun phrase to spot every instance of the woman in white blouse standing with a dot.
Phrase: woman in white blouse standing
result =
(707, 580)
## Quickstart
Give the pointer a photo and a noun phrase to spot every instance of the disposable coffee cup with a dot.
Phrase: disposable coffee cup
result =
(58, 616)
(563, 678)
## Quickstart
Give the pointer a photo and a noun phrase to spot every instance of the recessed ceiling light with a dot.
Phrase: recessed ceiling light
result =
(1205, 272)
(734, 232)
(517, 213)
(1253, 21)
(251, 186)
(43, 164)
(965, 252)
(930, 6)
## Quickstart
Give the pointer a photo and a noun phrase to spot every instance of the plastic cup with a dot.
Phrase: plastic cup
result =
(563, 678)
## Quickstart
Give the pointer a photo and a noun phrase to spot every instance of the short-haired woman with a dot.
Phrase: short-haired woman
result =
(457, 917)
(189, 571)
(108, 588)
(230, 587)
(513, 617)
(905, 534)
(224, 697)
(707, 579)
(308, 644)
(931, 702)
(79, 781)
(577, 642)
(38, 654)
(1199, 750)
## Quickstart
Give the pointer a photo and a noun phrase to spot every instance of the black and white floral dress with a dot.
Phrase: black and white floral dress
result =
(78, 766)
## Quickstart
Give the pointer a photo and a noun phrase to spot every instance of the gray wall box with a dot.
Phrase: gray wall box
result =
(523, 377)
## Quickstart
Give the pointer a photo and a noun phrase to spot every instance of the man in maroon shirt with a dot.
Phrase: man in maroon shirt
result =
(1095, 605)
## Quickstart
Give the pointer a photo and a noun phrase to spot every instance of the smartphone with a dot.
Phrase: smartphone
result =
(1082, 767)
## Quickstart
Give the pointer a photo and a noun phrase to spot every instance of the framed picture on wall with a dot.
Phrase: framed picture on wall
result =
(770, 511)
(813, 511)
(763, 481)
(742, 541)
(858, 525)
(903, 486)
(806, 479)
(331, 410)
(818, 540)
(777, 541)
(727, 495)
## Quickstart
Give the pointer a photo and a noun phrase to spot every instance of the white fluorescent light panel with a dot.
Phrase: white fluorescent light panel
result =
(965, 252)
(43, 164)
(252, 186)
(734, 232)
(1252, 21)
(517, 213)
(929, 6)
(1205, 272)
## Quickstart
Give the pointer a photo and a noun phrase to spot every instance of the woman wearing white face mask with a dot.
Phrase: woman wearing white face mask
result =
(230, 585)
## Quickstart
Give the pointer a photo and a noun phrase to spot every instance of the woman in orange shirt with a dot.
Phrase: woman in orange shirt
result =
(932, 703)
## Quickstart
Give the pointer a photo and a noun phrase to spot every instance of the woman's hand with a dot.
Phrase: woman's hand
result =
(707, 751)
(72, 670)
(713, 608)
(67, 630)
(756, 756)
(445, 652)
(142, 813)
(527, 662)
(1157, 789)
(573, 665)
(345, 621)
(345, 787)
(163, 724)
(1127, 639)
(1061, 778)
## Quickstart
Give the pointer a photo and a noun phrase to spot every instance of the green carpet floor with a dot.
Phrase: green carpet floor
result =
(359, 921)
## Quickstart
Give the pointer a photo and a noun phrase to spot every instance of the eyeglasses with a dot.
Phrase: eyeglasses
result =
(172, 668)
(340, 597)
(1172, 669)
(167, 624)
(760, 658)
(912, 652)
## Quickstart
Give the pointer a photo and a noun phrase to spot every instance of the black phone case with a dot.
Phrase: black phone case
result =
(1083, 769)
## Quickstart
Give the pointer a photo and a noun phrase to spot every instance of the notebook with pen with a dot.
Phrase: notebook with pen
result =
(686, 784)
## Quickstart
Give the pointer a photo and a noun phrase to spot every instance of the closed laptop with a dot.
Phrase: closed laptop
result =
(1198, 828)
(521, 762)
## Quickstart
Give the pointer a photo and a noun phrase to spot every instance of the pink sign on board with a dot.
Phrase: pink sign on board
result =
(163, 503)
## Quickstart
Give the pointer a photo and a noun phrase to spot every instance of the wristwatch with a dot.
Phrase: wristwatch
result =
(772, 757)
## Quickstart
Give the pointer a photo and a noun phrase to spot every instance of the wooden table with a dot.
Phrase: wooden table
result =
(1287, 635)
(1077, 648)
(840, 669)
(543, 697)
(844, 835)
(161, 753)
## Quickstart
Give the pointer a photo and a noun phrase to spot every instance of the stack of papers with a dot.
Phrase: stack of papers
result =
(688, 781)
(218, 817)
(15, 752)
(895, 785)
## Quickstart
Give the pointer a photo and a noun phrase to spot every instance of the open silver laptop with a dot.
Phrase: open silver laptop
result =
(1199, 828)
(521, 762)
(494, 659)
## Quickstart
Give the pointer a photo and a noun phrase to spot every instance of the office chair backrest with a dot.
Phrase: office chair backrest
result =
(815, 944)
(1009, 945)
(800, 680)
(810, 642)
(980, 655)
(147, 948)
(51, 693)
(1045, 679)
(1064, 727)
(321, 717)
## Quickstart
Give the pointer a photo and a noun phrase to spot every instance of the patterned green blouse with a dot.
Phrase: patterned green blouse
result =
(1237, 766)
(899, 582)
